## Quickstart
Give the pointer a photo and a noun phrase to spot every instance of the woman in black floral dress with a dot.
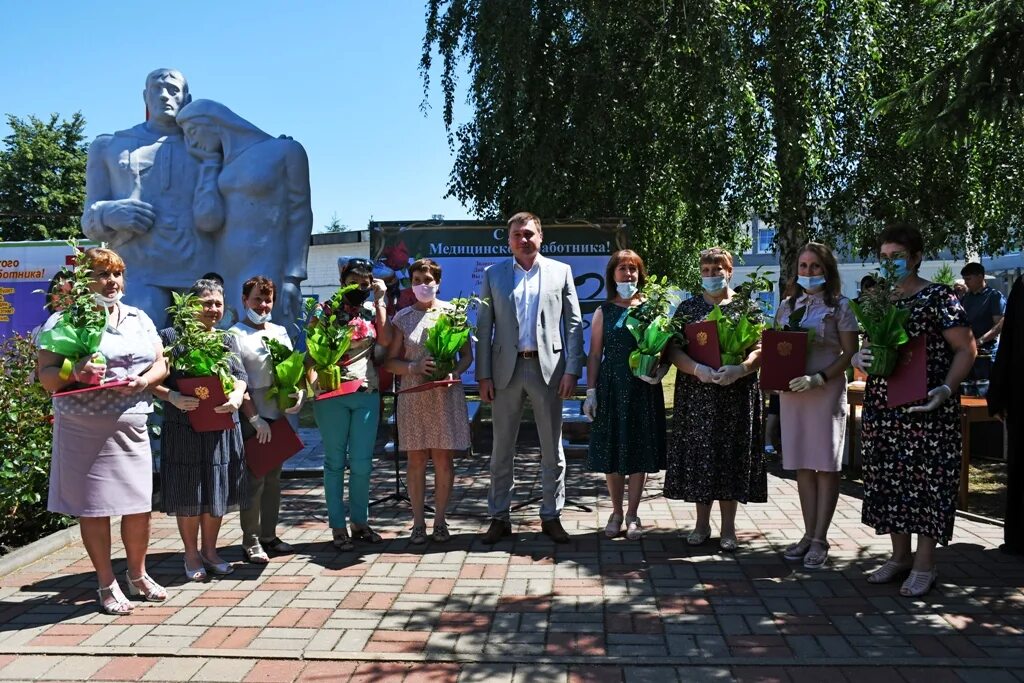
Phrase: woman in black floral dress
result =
(912, 454)
(715, 449)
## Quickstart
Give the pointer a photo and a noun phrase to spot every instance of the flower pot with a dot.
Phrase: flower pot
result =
(883, 360)
(96, 380)
(286, 402)
(442, 368)
(329, 378)
(645, 365)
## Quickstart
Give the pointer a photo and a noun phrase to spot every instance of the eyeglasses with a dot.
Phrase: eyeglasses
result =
(359, 261)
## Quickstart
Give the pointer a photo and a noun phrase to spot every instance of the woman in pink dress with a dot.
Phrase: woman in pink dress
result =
(813, 412)
(433, 423)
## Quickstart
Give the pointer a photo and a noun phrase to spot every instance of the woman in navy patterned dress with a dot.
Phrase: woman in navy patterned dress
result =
(627, 440)
(912, 453)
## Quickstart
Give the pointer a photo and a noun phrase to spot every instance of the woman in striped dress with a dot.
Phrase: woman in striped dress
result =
(202, 474)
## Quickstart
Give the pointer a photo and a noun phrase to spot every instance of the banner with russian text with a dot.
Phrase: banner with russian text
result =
(26, 267)
(465, 249)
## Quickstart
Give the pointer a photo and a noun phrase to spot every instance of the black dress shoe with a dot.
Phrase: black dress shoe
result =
(553, 529)
(499, 529)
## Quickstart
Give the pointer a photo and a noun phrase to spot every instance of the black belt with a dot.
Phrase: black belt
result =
(528, 354)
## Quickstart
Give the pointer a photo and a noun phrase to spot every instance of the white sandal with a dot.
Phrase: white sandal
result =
(888, 572)
(918, 583)
(816, 559)
(796, 551)
(614, 526)
(634, 529)
(146, 588)
(112, 600)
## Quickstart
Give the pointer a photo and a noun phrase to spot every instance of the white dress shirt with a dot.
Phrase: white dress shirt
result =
(526, 293)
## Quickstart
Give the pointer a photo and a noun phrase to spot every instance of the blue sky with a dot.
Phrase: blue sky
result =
(340, 77)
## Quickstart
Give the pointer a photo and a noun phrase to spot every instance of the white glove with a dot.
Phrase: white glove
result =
(704, 373)
(659, 375)
(862, 359)
(727, 374)
(300, 397)
(590, 404)
(936, 397)
(806, 383)
(262, 428)
(181, 402)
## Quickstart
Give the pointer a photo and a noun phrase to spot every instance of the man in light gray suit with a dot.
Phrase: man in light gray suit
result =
(530, 344)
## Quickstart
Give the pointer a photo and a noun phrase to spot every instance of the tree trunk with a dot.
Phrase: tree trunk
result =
(790, 122)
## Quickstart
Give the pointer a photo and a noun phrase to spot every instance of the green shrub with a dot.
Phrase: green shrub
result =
(944, 275)
(26, 432)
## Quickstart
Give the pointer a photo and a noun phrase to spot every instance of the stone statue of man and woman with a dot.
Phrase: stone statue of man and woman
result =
(197, 189)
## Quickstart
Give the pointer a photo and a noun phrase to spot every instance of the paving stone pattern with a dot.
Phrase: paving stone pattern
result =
(528, 610)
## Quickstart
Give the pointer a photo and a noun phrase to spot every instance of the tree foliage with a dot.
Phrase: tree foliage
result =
(966, 192)
(977, 83)
(688, 118)
(42, 178)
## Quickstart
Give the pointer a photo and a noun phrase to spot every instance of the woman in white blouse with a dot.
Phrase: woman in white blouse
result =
(259, 521)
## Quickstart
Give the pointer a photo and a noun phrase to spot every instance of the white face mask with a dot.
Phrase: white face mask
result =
(425, 293)
(626, 290)
(107, 301)
(255, 318)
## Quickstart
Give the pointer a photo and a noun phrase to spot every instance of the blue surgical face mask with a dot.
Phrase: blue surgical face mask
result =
(715, 283)
(810, 281)
(900, 269)
(626, 290)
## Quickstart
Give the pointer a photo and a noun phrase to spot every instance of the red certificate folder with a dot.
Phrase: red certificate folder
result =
(702, 343)
(783, 357)
(260, 458)
(94, 387)
(427, 386)
(908, 383)
(344, 389)
(210, 393)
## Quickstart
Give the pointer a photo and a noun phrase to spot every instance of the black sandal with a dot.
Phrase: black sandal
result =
(340, 540)
(366, 534)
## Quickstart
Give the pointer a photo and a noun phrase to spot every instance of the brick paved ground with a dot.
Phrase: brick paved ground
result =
(526, 610)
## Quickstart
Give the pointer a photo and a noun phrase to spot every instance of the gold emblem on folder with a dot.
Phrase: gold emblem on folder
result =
(202, 393)
(702, 338)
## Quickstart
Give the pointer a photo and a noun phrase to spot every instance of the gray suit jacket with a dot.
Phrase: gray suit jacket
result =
(559, 324)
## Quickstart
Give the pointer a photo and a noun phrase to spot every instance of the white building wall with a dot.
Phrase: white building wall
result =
(322, 267)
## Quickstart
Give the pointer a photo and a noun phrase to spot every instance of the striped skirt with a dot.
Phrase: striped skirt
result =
(201, 472)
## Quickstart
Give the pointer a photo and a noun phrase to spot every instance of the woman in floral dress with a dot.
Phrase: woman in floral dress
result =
(627, 439)
(912, 454)
(432, 424)
(715, 450)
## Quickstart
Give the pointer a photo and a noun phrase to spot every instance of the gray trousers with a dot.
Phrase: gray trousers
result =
(259, 522)
(507, 411)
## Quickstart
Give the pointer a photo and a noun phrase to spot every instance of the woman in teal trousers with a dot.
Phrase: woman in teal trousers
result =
(348, 423)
